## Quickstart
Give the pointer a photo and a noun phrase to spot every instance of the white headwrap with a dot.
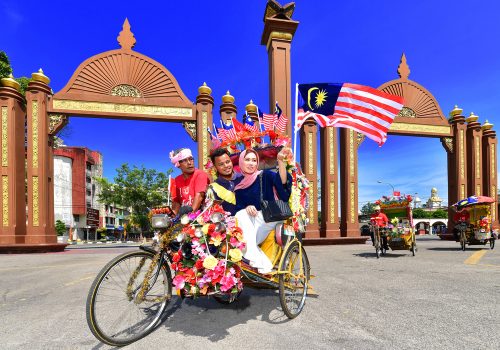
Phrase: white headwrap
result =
(183, 154)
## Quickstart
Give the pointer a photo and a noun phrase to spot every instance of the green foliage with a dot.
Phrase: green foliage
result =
(5, 68)
(60, 228)
(367, 209)
(23, 81)
(136, 188)
(421, 214)
(440, 214)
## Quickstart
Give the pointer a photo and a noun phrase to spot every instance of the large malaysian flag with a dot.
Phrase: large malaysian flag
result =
(361, 108)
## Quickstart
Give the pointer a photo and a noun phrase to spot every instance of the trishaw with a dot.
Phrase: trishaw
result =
(399, 234)
(204, 253)
(474, 225)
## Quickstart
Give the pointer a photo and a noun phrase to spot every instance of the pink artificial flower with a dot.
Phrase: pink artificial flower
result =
(179, 281)
(236, 243)
(227, 282)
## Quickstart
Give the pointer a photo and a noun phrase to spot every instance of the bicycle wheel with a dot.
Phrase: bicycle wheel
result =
(293, 283)
(114, 315)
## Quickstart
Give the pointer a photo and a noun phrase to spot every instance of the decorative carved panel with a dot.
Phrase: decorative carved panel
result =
(34, 132)
(5, 138)
(190, 127)
(5, 200)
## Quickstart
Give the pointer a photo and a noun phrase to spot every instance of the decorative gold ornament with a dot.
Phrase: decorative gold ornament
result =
(310, 153)
(486, 126)
(461, 151)
(462, 191)
(35, 204)
(332, 150)
(34, 132)
(352, 192)
(5, 200)
(227, 98)
(313, 204)
(5, 138)
(351, 152)
(121, 108)
(11, 82)
(478, 160)
(204, 90)
(418, 128)
(471, 118)
(190, 127)
(456, 111)
(407, 112)
(332, 202)
(40, 77)
(125, 90)
(54, 121)
(448, 144)
(204, 138)
(251, 107)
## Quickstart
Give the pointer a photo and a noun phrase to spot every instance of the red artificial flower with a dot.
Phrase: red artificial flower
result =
(199, 264)
(177, 256)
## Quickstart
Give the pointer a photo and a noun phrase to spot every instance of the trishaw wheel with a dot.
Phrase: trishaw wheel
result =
(377, 246)
(413, 248)
(293, 282)
(114, 316)
(492, 243)
(462, 241)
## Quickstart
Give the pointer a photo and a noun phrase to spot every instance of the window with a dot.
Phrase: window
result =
(89, 167)
(76, 218)
(89, 193)
(88, 205)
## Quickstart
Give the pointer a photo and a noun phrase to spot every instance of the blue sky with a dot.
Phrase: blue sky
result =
(452, 48)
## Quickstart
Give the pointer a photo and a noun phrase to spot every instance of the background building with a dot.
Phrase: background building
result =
(76, 191)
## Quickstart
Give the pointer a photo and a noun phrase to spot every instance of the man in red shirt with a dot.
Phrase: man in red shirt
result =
(380, 219)
(188, 188)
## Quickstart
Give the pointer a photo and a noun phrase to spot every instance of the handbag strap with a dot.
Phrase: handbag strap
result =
(260, 179)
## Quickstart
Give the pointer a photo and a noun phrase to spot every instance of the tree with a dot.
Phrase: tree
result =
(136, 188)
(367, 209)
(421, 214)
(5, 68)
(60, 228)
(440, 214)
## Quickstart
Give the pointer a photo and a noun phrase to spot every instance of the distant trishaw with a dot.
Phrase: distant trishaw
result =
(399, 233)
(473, 221)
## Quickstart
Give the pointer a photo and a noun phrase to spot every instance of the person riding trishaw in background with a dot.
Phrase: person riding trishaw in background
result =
(248, 202)
(461, 216)
(223, 186)
(380, 220)
(190, 187)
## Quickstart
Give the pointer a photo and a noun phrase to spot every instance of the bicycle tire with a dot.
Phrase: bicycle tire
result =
(289, 287)
(117, 274)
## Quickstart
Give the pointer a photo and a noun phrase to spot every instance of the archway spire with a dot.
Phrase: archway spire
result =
(126, 37)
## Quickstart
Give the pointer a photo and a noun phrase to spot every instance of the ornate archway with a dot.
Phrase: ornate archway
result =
(120, 84)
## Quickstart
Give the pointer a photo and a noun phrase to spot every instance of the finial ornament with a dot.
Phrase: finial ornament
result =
(472, 118)
(11, 82)
(403, 69)
(456, 111)
(126, 37)
(227, 98)
(204, 89)
(251, 107)
(39, 76)
(486, 125)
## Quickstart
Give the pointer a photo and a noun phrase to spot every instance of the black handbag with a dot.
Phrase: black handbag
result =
(276, 210)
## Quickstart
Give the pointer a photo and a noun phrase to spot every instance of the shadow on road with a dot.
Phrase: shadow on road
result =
(374, 256)
(205, 317)
(457, 248)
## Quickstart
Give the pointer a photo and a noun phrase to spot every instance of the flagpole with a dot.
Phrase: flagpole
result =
(294, 128)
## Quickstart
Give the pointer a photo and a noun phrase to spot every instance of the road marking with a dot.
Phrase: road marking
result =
(77, 281)
(474, 258)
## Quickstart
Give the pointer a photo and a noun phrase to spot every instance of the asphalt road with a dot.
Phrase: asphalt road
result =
(442, 298)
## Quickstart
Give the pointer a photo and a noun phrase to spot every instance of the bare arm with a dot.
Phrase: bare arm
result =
(175, 207)
(198, 200)
(285, 153)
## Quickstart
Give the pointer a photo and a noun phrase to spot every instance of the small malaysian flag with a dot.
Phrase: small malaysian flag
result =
(282, 120)
(268, 120)
(357, 107)
(222, 133)
(249, 124)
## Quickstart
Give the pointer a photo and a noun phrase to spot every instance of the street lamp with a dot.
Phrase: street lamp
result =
(386, 183)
